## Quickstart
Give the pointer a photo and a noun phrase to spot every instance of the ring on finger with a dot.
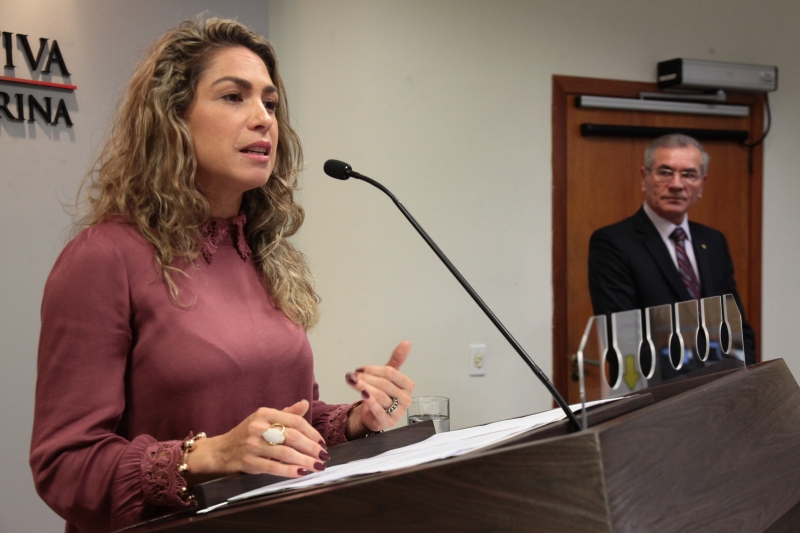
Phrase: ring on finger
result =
(276, 434)
(393, 408)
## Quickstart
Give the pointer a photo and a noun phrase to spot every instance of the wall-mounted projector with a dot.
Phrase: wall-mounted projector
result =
(713, 75)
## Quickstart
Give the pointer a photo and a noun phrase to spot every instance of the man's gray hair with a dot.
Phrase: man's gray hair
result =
(675, 140)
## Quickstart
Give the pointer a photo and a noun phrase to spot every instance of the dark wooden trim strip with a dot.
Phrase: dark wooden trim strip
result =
(756, 221)
(559, 247)
(614, 130)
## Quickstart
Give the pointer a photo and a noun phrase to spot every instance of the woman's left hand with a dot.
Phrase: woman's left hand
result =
(380, 387)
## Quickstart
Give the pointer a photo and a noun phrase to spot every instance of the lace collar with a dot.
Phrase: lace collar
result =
(214, 232)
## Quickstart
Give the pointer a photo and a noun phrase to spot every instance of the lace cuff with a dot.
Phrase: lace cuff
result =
(161, 483)
(333, 424)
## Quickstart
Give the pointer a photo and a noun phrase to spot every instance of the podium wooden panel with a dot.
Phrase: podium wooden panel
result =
(712, 453)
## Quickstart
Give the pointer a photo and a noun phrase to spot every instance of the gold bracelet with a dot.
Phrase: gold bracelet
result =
(350, 412)
(186, 447)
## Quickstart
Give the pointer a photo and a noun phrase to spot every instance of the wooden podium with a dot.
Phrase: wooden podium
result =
(717, 452)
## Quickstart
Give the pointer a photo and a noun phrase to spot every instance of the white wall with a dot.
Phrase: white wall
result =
(40, 169)
(445, 102)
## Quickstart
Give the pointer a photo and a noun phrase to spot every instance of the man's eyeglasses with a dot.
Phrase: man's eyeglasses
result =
(665, 174)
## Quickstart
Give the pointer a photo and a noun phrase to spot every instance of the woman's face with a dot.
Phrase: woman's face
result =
(234, 129)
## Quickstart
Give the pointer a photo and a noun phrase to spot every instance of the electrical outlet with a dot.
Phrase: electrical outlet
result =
(477, 359)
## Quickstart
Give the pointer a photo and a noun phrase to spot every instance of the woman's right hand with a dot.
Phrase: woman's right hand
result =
(244, 449)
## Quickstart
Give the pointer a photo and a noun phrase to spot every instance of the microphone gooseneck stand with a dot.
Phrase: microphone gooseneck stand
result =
(342, 171)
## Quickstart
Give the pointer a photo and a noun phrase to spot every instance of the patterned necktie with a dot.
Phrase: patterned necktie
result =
(684, 266)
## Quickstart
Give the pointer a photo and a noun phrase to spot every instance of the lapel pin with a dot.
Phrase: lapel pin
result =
(703, 246)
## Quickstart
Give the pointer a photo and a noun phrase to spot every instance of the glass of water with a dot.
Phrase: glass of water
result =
(436, 408)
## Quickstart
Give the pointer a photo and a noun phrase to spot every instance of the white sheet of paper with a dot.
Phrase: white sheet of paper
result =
(439, 446)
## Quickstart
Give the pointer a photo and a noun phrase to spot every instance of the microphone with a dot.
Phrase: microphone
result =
(337, 169)
(342, 171)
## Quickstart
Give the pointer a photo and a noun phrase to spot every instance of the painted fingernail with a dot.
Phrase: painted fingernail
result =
(365, 395)
(360, 369)
(351, 378)
(324, 455)
(322, 443)
(319, 467)
(303, 471)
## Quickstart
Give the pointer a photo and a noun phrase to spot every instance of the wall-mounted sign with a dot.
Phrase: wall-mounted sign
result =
(13, 106)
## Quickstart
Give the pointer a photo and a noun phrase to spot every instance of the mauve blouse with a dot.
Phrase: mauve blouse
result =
(125, 373)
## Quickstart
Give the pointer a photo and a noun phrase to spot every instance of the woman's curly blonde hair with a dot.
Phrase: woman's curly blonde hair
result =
(146, 170)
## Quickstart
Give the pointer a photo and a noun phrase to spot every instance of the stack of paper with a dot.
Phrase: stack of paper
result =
(439, 446)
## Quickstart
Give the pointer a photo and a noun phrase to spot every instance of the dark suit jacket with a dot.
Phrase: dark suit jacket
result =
(630, 268)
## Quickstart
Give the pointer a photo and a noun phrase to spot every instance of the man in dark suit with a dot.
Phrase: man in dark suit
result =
(657, 256)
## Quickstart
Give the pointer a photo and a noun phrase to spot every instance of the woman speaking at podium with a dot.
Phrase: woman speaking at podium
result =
(173, 347)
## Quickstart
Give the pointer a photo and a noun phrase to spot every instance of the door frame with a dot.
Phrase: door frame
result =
(563, 86)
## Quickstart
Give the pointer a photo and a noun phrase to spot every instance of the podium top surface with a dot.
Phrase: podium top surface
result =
(712, 453)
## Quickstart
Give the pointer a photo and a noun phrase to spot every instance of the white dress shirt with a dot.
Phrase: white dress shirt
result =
(665, 229)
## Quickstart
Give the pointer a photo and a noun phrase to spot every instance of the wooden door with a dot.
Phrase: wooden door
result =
(596, 183)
